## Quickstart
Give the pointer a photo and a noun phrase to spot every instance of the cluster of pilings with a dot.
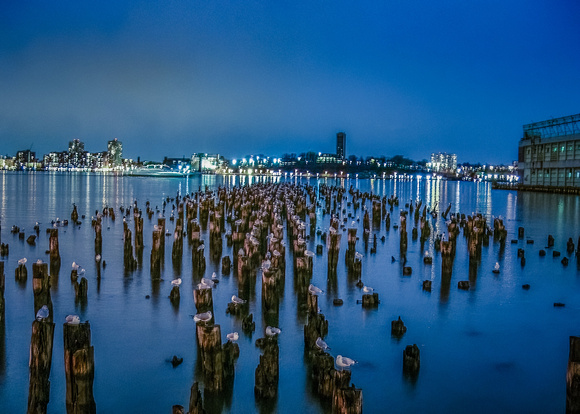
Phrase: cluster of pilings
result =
(216, 361)
(327, 382)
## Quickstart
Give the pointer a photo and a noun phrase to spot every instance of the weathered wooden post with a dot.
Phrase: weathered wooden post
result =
(39, 364)
(345, 399)
(98, 235)
(129, 262)
(573, 377)
(333, 245)
(2, 300)
(411, 360)
(403, 233)
(177, 248)
(41, 288)
(195, 400)
(156, 253)
(79, 365)
(210, 346)
(268, 370)
(351, 249)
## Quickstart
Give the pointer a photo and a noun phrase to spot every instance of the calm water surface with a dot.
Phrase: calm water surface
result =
(494, 348)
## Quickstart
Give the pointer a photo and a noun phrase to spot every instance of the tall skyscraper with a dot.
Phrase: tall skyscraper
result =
(115, 153)
(340, 145)
(76, 153)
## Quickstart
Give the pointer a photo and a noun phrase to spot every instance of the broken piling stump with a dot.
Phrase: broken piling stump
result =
(79, 363)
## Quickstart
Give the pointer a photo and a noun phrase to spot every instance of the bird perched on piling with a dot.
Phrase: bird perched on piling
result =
(321, 344)
(344, 362)
(202, 317)
(176, 282)
(315, 290)
(73, 319)
(42, 313)
(233, 336)
(273, 331)
(238, 301)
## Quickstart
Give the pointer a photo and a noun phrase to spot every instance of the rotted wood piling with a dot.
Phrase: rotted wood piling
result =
(79, 364)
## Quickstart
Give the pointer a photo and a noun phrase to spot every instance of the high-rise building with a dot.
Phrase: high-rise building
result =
(115, 153)
(443, 162)
(340, 145)
(76, 153)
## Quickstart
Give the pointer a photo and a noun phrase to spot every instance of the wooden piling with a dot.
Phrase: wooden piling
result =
(268, 371)
(79, 363)
(39, 365)
(195, 400)
(2, 300)
(573, 377)
(210, 347)
(41, 288)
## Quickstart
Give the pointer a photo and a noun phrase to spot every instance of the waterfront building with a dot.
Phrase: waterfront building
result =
(549, 153)
(340, 145)
(443, 162)
(327, 158)
(76, 154)
(115, 153)
(203, 162)
(25, 159)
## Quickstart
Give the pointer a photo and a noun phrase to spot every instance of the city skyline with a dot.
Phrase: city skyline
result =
(229, 78)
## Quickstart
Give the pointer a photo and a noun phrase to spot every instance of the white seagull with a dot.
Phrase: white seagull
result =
(238, 301)
(233, 336)
(75, 266)
(273, 331)
(321, 344)
(176, 282)
(42, 313)
(207, 282)
(315, 290)
(344, 362)
(73, 319)
(367, 289)
(22, 261)
(203, 317)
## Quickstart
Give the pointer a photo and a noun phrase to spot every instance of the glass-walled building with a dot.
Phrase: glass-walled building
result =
(549, 153)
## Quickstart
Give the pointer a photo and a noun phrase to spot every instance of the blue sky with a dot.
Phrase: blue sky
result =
(248, 77)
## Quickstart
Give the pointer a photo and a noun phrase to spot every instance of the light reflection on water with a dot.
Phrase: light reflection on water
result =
(491, 340)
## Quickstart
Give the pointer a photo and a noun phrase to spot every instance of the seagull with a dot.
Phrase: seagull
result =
(176, 282)
(273, 331)
(238, 301)
(81, 270)
(39, 261)
(207, 282)
(234, 336)
(201, 286)
(203, 317)
(496, 268)
(358, 256)
(367, 289)
(22, 261)
(314, 290)
(321, 344)
(73, 319)
(344, 362)
(200, 247)
(98, 258)
(42, 313)
(75, 266)
(213, 276)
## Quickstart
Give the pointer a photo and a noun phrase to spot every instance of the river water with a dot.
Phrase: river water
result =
(494, 348)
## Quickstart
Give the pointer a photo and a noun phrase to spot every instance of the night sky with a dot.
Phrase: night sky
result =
(245, 77)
